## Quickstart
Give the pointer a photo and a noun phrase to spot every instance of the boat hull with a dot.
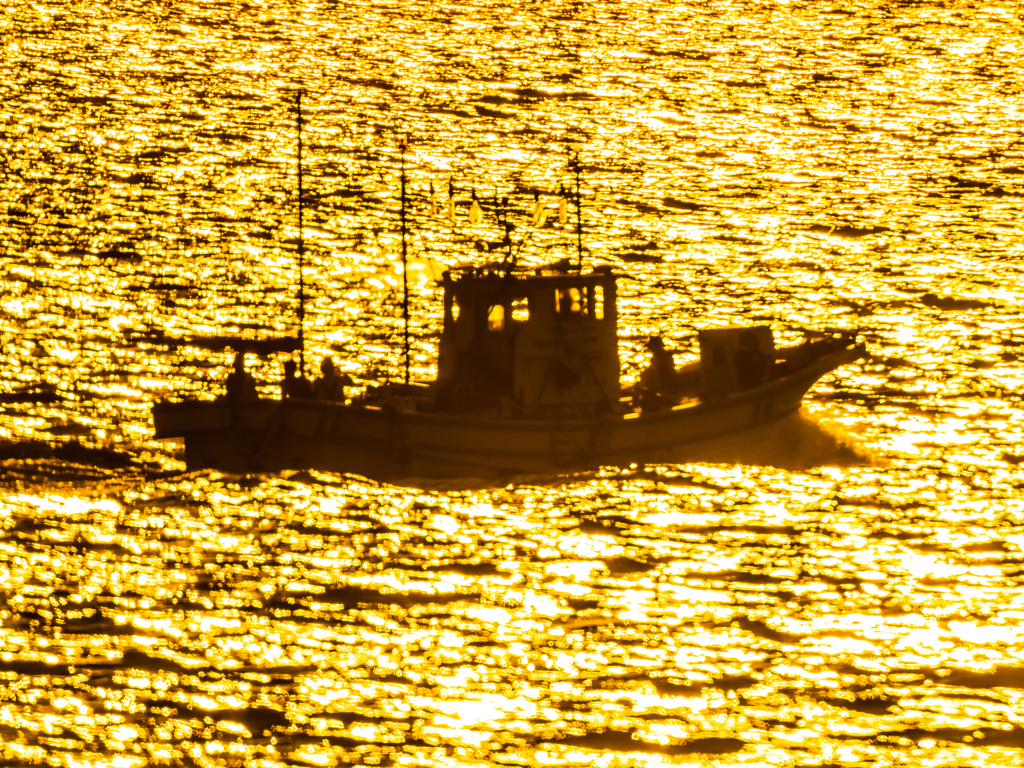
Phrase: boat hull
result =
(252, 436)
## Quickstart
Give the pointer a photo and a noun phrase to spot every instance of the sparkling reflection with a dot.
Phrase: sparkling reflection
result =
(849, 595)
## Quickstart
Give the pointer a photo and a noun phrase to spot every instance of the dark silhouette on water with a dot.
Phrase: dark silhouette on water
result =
(294, 384)
(661, 373)
(240, 384)
(534, 393)
(331, 386)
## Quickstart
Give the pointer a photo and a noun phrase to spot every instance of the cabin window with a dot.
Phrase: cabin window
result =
(520, 311)
(496, 318)
(570, 301)
(597, 305)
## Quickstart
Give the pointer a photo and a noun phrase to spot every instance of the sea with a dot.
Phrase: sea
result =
(847, 593)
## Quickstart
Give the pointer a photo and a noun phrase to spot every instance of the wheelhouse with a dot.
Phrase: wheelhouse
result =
(528, 344)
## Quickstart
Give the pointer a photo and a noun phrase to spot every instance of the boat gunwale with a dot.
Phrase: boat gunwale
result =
(814, 371)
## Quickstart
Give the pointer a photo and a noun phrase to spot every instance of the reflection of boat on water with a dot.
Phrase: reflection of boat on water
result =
(528, 381)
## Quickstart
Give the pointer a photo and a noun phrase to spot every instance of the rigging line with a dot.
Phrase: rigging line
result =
(523, 242)
(403, 145)
(574, 165)
(302, 249)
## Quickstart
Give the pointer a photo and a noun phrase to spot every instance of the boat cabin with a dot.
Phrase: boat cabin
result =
(533, 346)
(734, 359)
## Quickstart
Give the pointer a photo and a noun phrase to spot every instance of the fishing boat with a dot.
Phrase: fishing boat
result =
(528, 381)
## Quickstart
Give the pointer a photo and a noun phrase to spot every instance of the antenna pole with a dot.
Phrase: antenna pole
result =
(403, 144)
(574, 165)
(508, 228)
(302, 249)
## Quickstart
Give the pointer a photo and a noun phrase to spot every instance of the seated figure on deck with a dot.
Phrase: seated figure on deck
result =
(660, 376)
(331, 386)
(240, 384)
(295, 385)
(659, 382)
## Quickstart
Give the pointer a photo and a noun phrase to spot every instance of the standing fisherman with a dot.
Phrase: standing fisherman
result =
(240, 384)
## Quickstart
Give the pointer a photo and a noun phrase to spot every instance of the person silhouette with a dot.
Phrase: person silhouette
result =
(660, 376)
(294, 385)
(331, 386)
(240, 384)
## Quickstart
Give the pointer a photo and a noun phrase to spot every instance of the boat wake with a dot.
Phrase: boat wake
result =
(797, 442)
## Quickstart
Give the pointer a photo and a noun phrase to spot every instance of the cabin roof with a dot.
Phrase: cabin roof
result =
(518, 282)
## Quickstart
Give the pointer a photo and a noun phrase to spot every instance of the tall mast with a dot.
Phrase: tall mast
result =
(403, 144)
(574, 165)
(302, 249)
(508, 229)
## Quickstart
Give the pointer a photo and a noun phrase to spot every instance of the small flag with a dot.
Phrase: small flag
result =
(475, 214)
(424, 269)
(538, 216)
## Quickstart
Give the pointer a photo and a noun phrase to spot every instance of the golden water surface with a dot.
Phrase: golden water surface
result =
(816, 166)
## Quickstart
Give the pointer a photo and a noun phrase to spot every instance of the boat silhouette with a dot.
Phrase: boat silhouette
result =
(527, 382)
